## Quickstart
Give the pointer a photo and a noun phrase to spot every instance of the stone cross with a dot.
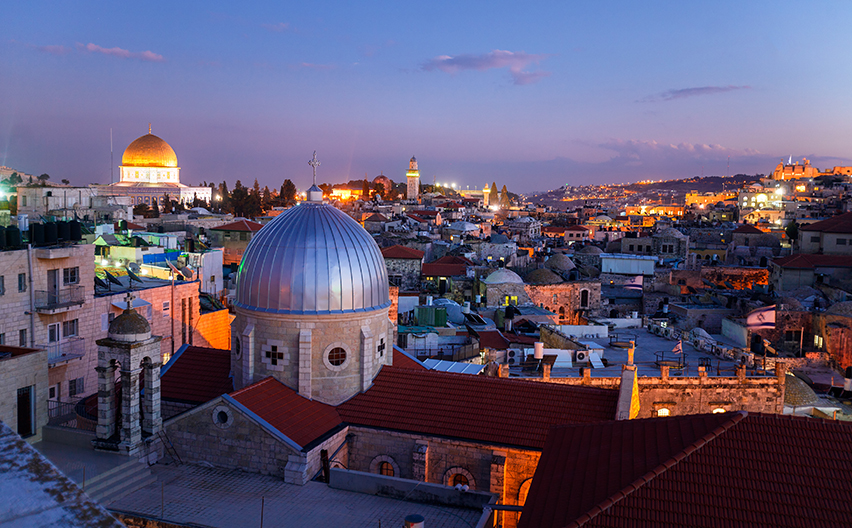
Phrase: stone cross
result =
(129, 299)
(314, 163)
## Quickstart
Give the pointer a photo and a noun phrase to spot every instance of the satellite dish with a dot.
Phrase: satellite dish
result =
(729, 285)
(112, 279)
(692, 290)
(100, 282)
(133, 276)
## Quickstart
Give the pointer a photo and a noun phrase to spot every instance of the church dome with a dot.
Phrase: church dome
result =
(503, 276)
(312, 259)
(149, 151)
(129, 326)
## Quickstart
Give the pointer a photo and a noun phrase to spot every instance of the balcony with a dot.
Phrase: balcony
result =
(65, 351)
(48, 302)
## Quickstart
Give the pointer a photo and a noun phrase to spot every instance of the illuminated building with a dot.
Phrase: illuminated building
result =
(413, 177)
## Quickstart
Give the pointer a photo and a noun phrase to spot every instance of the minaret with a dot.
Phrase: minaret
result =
(413, 176)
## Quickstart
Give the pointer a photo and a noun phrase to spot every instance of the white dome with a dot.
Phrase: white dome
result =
(312, 259)
(503, 276)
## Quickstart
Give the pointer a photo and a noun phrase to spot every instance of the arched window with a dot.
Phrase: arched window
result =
(459, 476)
(718, 410)
(663, 412)
(457, 479)
(384, 465)
(584, 299)
(386, 469)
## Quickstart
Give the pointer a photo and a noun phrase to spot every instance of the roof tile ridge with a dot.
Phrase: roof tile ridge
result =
(252, 386)
(615, 498)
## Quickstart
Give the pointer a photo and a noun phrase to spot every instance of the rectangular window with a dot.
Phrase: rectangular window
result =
(104, 322)
(76, 386)
(22, 337)
(148, 312)
(815, 239)
(22, 282)
(631, 247)
(2, 285)
(2, 339)
(71, 275)
(69, 328)
(166, 308)
(51, 393)
(792, 336)
(227, 235)
(243, 237)
(841, 241)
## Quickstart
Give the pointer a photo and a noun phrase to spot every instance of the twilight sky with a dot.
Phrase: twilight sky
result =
(533, 95)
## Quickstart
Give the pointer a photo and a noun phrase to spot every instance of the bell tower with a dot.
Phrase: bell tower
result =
(413, 177)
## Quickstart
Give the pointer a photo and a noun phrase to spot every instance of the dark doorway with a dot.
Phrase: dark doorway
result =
(25, 412)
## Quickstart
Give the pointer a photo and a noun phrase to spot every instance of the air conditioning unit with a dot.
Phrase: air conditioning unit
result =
(581, 356)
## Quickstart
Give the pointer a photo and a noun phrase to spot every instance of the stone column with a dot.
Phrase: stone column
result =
(131, 430)
(152, 420)
(106, 401)
(498, 479)
(367, 353)
(305, 357)
(420, 461)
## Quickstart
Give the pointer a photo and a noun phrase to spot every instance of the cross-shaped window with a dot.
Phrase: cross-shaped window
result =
(273, 355)
(381, 347)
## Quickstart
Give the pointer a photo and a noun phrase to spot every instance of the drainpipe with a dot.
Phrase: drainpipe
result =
(32, 295)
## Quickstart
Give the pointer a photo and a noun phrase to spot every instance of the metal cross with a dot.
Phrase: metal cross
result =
(129, 299)
(314, 163)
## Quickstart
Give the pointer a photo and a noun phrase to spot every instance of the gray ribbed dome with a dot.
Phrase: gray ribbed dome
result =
(312, 259)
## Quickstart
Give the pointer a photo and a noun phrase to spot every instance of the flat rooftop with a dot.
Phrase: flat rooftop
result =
(226, 498)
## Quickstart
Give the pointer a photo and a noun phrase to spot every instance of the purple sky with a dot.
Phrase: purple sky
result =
(533, 96)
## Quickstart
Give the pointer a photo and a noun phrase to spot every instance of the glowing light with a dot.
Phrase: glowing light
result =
(104, 262)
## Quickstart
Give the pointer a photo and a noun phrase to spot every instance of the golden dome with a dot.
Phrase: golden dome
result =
(149, 151)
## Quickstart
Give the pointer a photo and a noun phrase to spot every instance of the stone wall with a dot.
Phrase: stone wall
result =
(565, 299)
(408, 269)
(499, 470)
(18, 372)
(836, 330)
(495, 294)
(703, 394)
(198, 436)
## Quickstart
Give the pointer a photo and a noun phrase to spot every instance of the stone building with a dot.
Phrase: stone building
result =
(670, 243)
(504, 287)
(832, 236)
(404, 265)
(234, 238)
(23, 390)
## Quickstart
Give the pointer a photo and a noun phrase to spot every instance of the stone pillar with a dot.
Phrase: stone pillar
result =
(741, 373)
(152, 420)
(367, 352)
(587, 376)
(305, 358)
(664, 372)
(106, 402)
(545, 371)
(131, 430)
(498, 479)
(420, 461)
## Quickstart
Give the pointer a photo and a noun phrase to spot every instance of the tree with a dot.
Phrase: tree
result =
(380, 190)
(66, 182)
(43, 178)
(365, 190)
(288, 192)
(792, 231)
(493, 195)
(142, 210)
(326, 189)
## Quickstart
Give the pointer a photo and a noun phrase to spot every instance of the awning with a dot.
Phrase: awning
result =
(122, 305)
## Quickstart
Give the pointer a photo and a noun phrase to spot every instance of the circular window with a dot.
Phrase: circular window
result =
(458, 479)
(222, 417)
(337, 356)
(386, 469)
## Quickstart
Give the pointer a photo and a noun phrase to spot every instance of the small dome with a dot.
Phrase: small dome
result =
(463, 226)
(312, 259)
(129, 326)
(798, 393)
(590, 250)
(603, 218)
(560, 262)
(499, 239)
(503, 276)
(149, 151)
(669, 232)
(542, 276)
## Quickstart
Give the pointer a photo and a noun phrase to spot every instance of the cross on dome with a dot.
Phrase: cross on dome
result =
(314, 163)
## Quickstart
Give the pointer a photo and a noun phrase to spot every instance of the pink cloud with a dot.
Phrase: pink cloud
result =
(516, 62)
(148, 56)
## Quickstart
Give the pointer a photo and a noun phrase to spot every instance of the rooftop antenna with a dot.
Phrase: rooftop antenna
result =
(110, 157)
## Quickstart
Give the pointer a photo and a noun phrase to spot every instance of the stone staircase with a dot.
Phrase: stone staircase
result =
(118, 482)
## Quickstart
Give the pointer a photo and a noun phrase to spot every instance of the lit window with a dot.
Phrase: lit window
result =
(458, 479)
(337, 356)
(663, 412)
(718, 410)
(386, 469)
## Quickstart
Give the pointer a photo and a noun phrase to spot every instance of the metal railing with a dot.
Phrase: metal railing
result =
(66, 350)
(64, 414)
(49, 300)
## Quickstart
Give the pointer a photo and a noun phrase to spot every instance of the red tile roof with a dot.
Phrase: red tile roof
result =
(453, 259)
(553, 229)
(377, 217)
(402, 360)
(402, 252)
(739, 469)
(300, 419)
(807, 261)
(493, 339)
(197, 375)
(426, 213)
(435, 269)
(417, 218)
(577, 228)
(836, 224)
(748, 229)
(496, 411)
(130, 225)
(451, 205)
(240, 225)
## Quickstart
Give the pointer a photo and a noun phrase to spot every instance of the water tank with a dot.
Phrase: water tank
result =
(13, 236)
(63, 230)
(466, 307)
(51, 235)
(23, 222)
(37, 234)
(76, 230)
(539, 350)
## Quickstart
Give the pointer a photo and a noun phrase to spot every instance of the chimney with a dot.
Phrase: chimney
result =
(545, 371)
(415, 521)
(587, 376)
(504, 370)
